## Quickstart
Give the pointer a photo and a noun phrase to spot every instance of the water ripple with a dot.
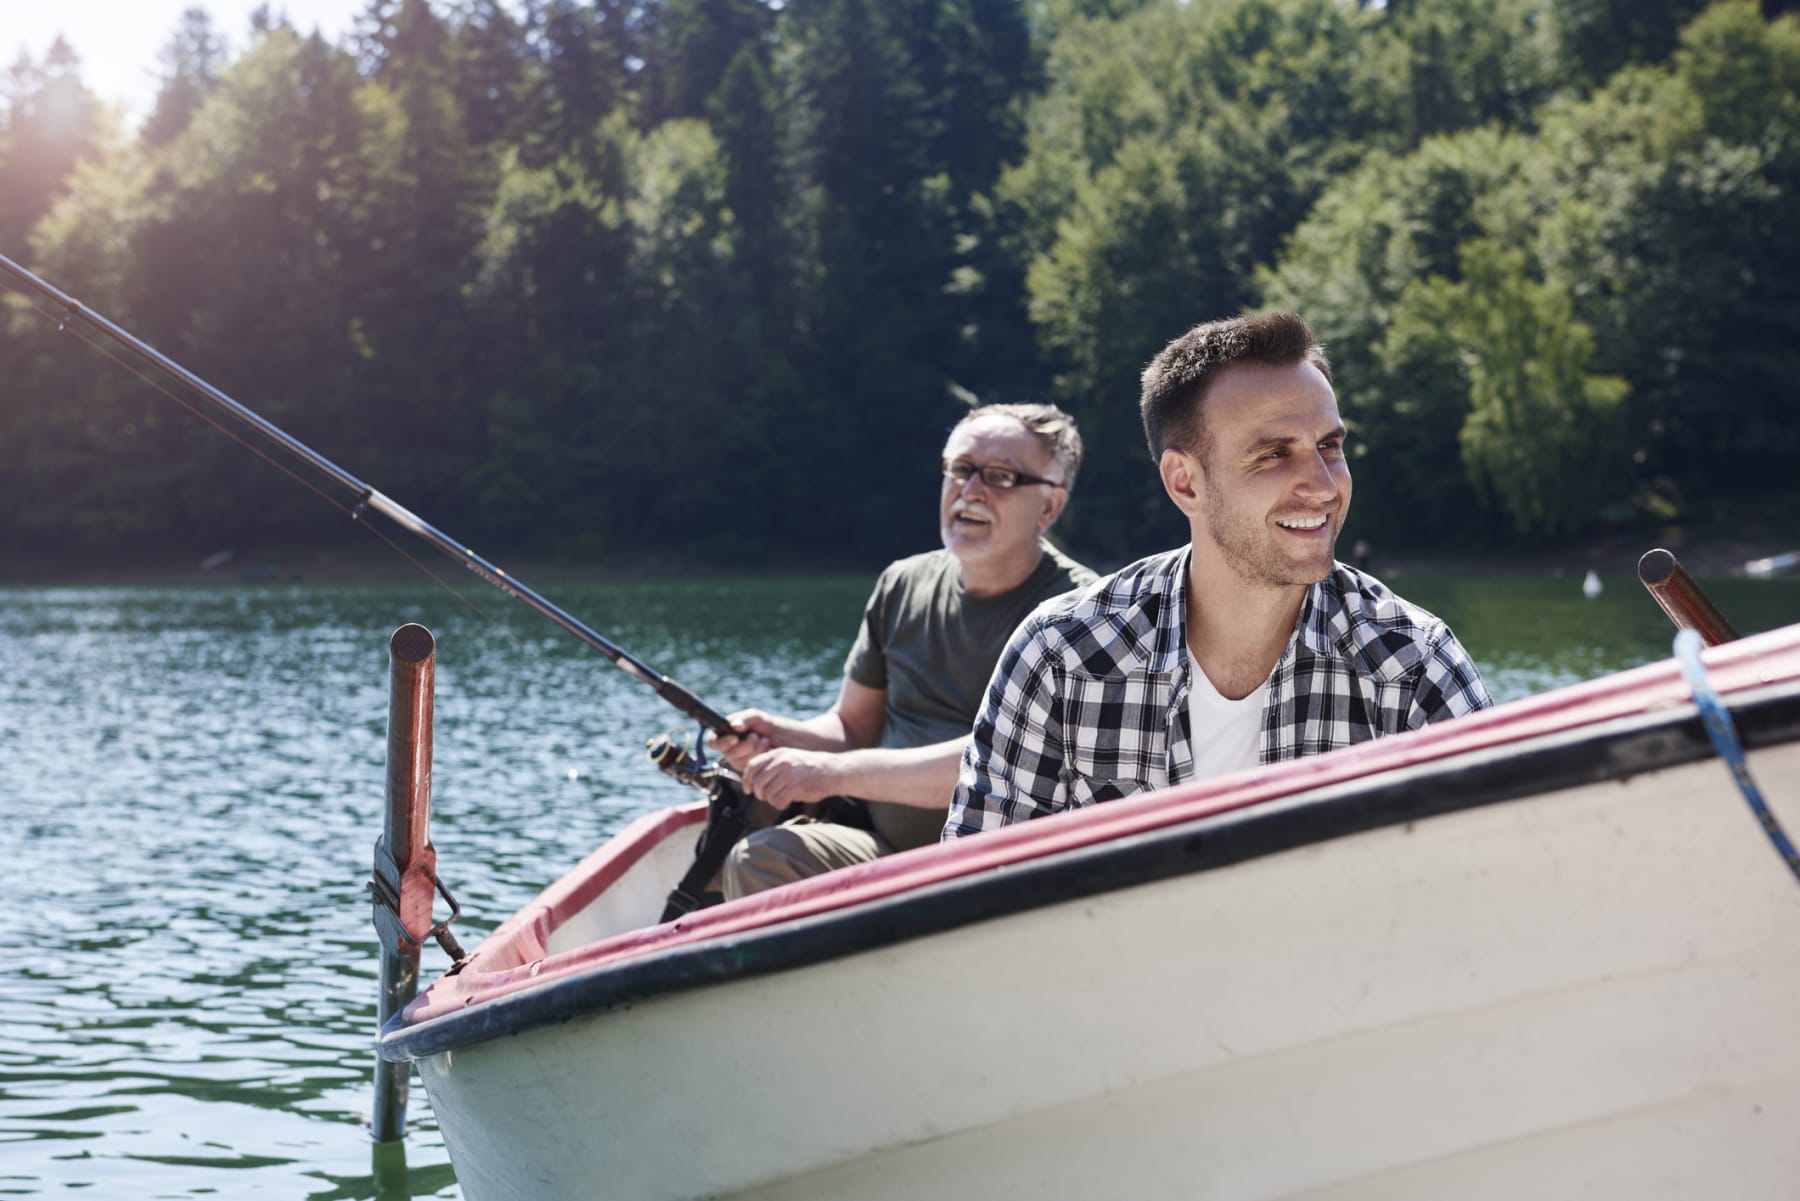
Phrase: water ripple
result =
(196, 782)
(191, 786)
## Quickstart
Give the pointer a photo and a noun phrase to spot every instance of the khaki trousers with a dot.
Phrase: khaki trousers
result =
(795, 850)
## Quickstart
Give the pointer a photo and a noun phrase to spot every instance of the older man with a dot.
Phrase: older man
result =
(930, 636)
(1249, 645)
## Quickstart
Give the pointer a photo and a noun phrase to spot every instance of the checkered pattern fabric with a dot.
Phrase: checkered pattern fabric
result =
(1089, 700)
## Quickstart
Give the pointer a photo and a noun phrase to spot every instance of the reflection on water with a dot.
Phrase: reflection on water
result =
(191, 785)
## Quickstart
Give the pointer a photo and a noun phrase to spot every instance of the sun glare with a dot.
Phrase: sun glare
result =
(120, 44)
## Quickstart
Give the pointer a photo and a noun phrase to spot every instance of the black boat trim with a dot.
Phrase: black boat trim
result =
(1613, 750)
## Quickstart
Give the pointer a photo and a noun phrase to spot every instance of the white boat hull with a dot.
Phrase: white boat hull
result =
(1589, 991)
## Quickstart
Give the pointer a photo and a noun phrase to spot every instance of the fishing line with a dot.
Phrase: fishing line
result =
(63, 325)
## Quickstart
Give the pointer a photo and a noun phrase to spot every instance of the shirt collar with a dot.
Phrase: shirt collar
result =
(1168, 648)
(1313, 628)
(1168, 652)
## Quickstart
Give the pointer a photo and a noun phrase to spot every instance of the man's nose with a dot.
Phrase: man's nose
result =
(1319, 481)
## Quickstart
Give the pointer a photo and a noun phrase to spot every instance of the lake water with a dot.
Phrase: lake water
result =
(191, 785)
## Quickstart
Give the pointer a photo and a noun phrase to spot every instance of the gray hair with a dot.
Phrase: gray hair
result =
(1052, 427)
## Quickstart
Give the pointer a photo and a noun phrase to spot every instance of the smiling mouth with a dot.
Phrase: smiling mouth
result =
(1301, 523)
(972, 518)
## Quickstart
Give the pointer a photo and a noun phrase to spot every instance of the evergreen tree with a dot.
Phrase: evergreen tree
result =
(742, 113)
(690, 46)
(1597, 37)
(882, 250)
(265, 190)
(980, 64)
(581, 72)
(419, 223)
(1461, 63)
(83, 446)
(192, 60)
(557, 294)
(374, 33)
(488, 61)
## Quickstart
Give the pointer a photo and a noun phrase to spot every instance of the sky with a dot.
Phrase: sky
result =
(119, 40)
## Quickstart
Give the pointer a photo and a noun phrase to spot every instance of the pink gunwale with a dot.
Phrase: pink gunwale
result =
(513, 957)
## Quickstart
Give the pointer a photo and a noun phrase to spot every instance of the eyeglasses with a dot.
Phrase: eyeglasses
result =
(994, 475)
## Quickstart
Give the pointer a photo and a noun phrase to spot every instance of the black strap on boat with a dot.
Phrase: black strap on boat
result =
(728, 817)
(726, 821)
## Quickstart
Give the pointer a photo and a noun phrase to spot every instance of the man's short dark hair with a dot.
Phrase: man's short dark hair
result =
(1051, 426)
(1177, 378)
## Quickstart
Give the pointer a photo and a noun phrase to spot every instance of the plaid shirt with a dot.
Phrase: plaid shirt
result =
(1089, 700)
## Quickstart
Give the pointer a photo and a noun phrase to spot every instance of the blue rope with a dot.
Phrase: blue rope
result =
(1719, 728)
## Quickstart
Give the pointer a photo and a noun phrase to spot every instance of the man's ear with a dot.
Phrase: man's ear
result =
(1183, 479)
(1053, 507)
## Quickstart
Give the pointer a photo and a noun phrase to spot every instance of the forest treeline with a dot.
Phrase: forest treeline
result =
(710, 279)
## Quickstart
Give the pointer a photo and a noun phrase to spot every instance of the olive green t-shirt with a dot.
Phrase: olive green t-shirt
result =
(933, 647)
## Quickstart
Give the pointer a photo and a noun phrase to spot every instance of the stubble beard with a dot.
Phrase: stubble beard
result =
(1249, 549)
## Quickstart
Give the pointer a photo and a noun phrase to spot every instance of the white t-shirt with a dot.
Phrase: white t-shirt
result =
(1227, 735)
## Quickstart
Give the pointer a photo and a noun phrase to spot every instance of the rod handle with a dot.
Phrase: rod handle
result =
(686, 702)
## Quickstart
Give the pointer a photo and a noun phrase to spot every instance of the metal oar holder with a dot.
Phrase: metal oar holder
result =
(405, 885)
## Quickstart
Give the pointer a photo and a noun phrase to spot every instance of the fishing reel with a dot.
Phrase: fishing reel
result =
(726, 817)
(689, 765)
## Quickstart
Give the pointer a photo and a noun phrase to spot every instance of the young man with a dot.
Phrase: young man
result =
(1249, 645)
(930, 635)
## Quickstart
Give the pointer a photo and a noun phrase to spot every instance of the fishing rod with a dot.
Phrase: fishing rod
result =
(368, 499)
